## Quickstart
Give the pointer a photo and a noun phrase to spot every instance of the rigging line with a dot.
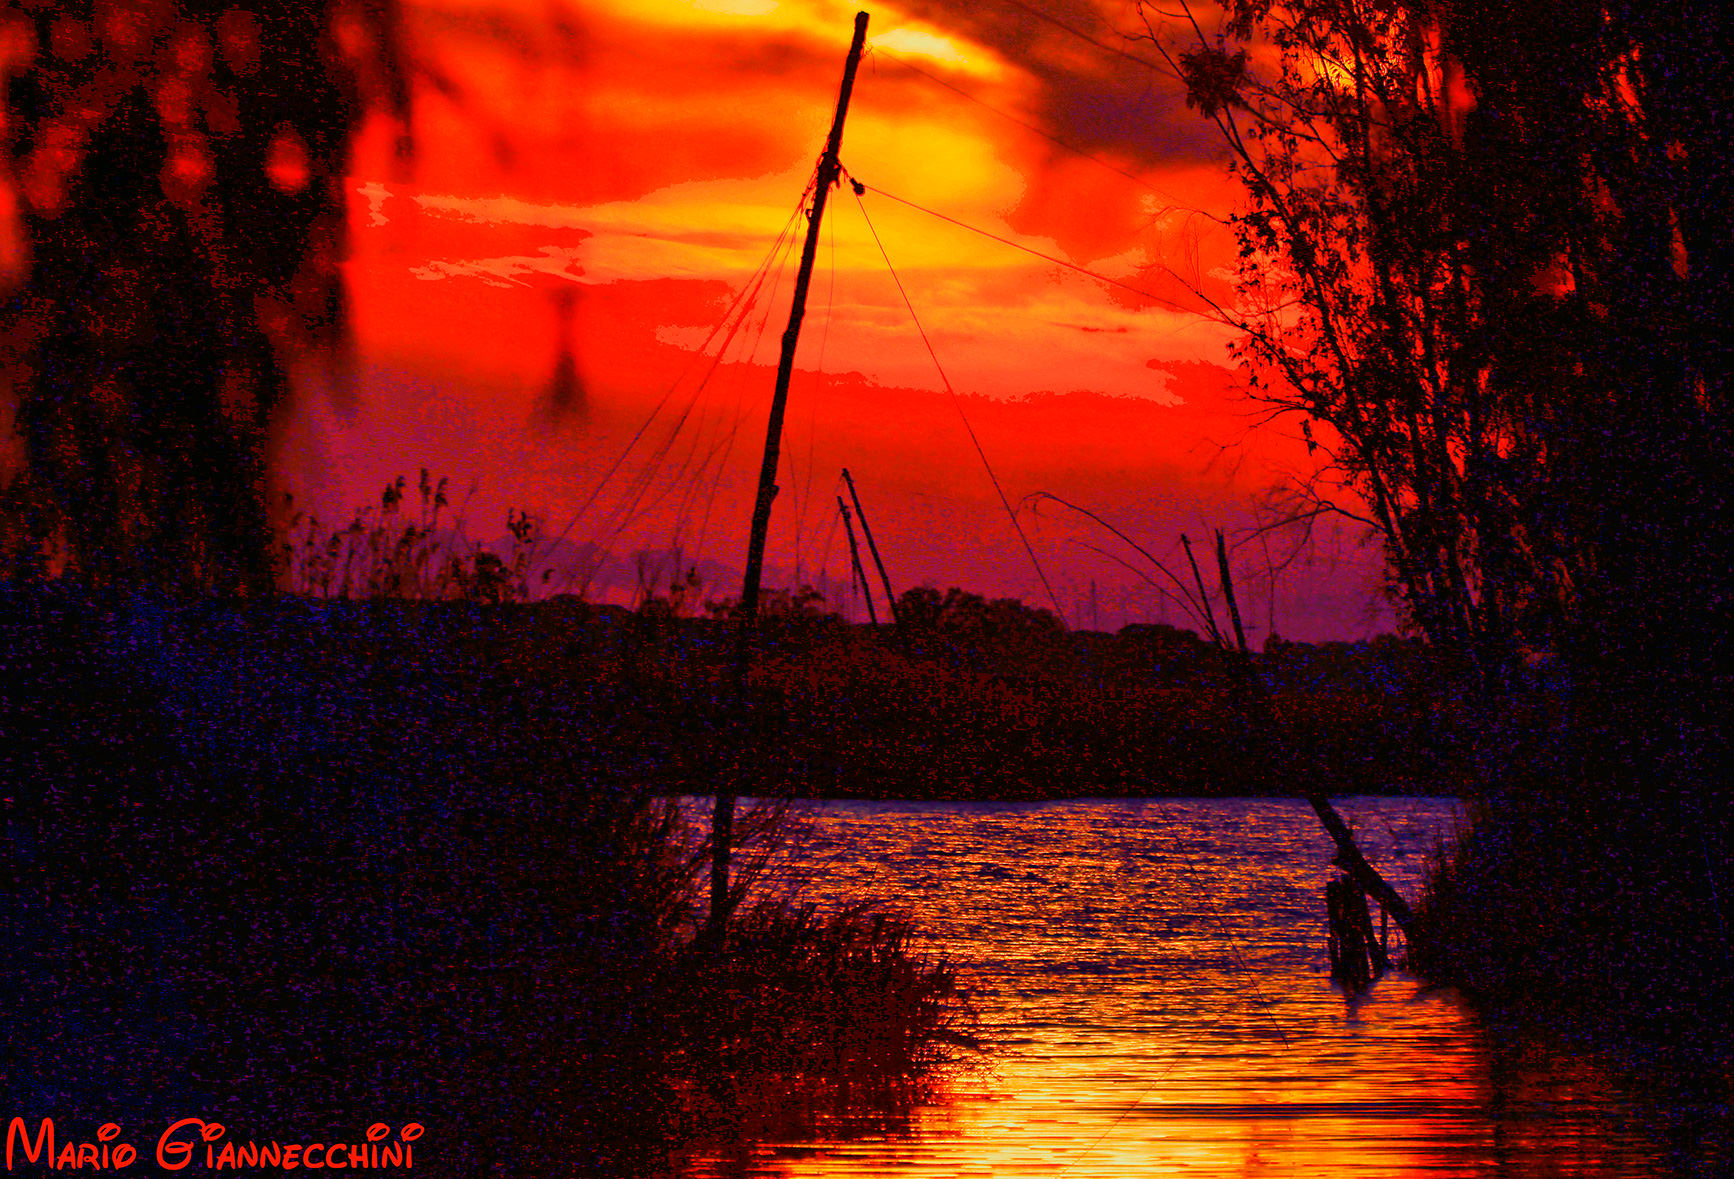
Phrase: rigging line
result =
(1169, 303)
(724, 445)
(728, 446)
(692, 487)
(804, 504)
(616, 522)
(825, 553)
(1032, 128)
(1127, 1112)
(704, 385)
(740, 415)
(958, 402)
(702, 474)
(722, 449)
(742, 303)
(1083, 36)
(674, 477)
(646, 482)
(835, 490)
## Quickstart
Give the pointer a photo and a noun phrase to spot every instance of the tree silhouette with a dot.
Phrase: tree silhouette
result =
(1486, 260)
(177, 170)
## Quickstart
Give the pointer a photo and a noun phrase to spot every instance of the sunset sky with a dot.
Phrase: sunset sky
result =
(595, 186)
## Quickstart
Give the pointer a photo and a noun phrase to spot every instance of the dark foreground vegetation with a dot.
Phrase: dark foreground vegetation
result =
(301, 868)
(1487, 268)
(298, 861)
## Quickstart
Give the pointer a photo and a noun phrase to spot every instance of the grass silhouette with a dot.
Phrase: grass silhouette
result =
(304, 863)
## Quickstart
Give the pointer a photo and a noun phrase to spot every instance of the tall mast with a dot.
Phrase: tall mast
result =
(723, 819)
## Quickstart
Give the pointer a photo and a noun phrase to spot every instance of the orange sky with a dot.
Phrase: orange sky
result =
(603, 179)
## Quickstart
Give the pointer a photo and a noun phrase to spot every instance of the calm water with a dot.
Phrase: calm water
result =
(1155, 975)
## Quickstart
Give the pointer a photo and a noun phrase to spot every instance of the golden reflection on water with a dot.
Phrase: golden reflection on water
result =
(1155, 976)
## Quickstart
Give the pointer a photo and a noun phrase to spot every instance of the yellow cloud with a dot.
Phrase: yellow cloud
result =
(909, 40)
(825, 17)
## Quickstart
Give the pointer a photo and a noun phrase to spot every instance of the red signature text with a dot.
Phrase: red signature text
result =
(193, 1141)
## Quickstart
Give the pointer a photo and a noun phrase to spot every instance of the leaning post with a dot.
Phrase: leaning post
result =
(723, 817)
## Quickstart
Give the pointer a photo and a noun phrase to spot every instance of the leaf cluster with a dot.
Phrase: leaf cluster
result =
(1482, 262)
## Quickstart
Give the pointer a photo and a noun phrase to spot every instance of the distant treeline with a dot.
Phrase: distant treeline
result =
(965, 698)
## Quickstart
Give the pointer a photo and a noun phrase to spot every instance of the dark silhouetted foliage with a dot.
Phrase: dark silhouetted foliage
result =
(178, 170)
(303, 865)
(1486, 259)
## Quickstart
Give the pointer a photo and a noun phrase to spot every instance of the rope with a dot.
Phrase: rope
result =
(615, 523)
(727, 445)
(740, 410)
(1006, 241)
(958, 402)
(1083, 36)
(742, 304)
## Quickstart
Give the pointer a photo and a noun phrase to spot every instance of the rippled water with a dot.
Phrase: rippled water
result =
(1155, 974)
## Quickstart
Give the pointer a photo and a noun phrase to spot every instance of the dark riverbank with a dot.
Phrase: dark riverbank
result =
(310, 858)
(1590, 888)
(300, 870)
(976, 700)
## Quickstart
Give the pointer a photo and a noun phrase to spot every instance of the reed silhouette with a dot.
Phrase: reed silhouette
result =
(315, 863)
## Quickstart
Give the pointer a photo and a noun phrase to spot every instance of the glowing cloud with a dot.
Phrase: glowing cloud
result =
(597, 181)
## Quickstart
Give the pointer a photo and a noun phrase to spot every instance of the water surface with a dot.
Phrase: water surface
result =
(1155, 976)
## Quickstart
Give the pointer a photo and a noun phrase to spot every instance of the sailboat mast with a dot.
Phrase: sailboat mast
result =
(829, 167)
(722, 819)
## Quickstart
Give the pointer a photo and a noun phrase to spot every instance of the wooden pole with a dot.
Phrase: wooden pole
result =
(855, 561)
(723, 817)
(1203, 595)
(1228, 592)
(1349, 856)
(890, 598)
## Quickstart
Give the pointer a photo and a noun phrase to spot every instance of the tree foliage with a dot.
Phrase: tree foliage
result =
(1485, 257)
(177, 170)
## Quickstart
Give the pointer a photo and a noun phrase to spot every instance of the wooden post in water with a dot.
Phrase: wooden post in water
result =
(1349, 856)
(890, 598)
(855, 561)
(723, 817)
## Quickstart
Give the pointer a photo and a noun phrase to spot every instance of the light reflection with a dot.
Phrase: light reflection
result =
(1157, 981)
